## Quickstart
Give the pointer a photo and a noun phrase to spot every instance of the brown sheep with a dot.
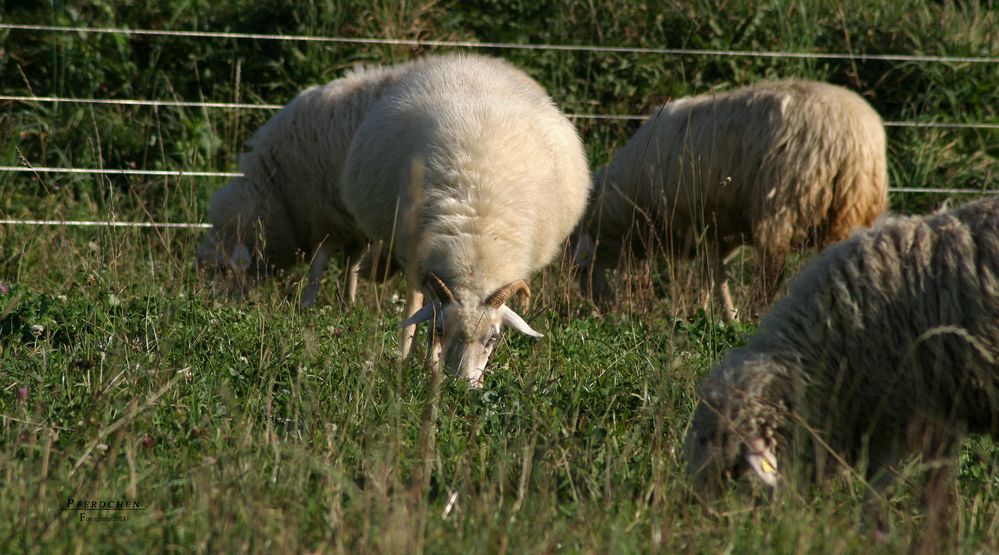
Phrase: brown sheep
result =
(776, 165)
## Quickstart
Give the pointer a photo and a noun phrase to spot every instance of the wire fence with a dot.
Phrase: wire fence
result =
(416, 43)
(109, 171)
(272, 107)
(106, 223)
(185, 173)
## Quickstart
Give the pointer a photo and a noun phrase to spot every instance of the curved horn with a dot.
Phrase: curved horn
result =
(440, 288)
(501, 295)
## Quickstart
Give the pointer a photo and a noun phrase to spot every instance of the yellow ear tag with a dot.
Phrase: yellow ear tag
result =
(766, 466)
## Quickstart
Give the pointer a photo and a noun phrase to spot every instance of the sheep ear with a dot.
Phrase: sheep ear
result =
(422, 315)
(762, 460)
(240, 259)
(583, 256)
(512, 319)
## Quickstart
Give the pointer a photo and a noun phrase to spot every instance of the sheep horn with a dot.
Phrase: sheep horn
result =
(501, 295)
(440, 288)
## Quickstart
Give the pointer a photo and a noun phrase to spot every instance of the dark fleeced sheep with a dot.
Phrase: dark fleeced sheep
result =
(886, 346)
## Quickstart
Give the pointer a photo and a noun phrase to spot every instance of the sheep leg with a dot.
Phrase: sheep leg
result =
(316, 270)
(353, 264)
(719, 276)
(352, 272)
(772, 263)
(875, 513)
(376, 265)
(601, 289)
(594, 279)
(937, 499)
(413, 303)
(941, 451)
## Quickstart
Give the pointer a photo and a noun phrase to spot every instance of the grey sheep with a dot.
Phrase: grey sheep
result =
(287, 205)
(776, 165)
(886, 346)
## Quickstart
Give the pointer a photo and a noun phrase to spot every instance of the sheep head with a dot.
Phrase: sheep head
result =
(226, 259)
(232, 251)
(464, 332)
(734, 430)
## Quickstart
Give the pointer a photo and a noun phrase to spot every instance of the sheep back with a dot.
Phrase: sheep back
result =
(505, 177)
(909, 312)
(881, 337)
(773, 164)
(291, 169)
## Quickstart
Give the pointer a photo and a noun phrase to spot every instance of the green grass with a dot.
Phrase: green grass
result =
(261, 427)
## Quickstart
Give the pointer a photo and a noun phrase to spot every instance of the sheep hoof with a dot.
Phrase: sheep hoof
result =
(730, 315)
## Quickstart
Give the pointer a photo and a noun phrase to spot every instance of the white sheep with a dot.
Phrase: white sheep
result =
(777, 165)
(471, 176)
(886, 346)
(287, 204)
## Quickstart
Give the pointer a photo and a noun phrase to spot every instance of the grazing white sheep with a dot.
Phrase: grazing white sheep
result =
(287, 204)
(777, 165)
(473, 178)
(886, 346)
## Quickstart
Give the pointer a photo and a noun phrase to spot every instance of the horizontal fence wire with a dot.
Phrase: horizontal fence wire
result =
(416, 43)
(195, 225)
(106, 223)
(245, 106)
(184, 173)
(140, 102)
(943, 191)
(102, 171)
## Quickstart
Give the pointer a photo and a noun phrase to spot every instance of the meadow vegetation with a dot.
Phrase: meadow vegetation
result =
(256, 426)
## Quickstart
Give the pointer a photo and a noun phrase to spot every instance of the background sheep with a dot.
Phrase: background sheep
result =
(886, 346)
(287, 205)
(777, 165)
(474, 178)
